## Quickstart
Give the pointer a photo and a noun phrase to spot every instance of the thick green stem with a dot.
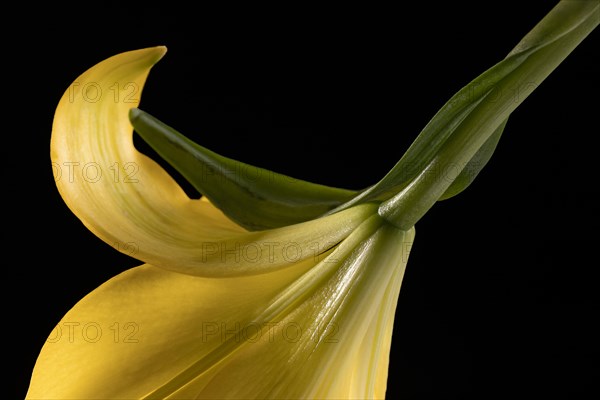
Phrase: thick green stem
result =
(538, 54)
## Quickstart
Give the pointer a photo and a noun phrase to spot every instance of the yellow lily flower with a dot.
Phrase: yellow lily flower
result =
(301, 311)
(297, 310)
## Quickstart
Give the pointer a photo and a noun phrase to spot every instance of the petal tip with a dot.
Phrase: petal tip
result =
(155, 53)
(160, 51)
(149, 55)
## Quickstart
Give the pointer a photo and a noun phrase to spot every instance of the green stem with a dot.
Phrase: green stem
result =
(540, 52)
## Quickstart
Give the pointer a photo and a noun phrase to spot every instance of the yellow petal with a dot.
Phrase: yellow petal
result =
(313, 330)
(131, 203)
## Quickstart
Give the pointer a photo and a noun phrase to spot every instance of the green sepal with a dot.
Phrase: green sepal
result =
(253, 197)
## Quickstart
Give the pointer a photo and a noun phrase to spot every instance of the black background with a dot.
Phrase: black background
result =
(500, 295)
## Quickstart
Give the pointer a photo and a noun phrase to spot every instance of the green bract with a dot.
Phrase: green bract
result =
(261, 200)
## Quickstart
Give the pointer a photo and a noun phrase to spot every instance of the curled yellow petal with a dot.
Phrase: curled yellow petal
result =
(132, 203)
(312, 330)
